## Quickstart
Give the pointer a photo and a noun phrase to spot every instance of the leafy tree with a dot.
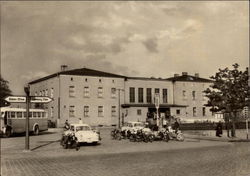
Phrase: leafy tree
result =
(4, 91)
(229, 93)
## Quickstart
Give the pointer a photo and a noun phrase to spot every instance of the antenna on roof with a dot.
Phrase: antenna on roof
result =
(64, 67)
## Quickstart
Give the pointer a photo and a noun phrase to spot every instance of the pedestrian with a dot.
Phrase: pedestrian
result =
(66, 125)
(219, 129)
(176, 125)
(80, 121)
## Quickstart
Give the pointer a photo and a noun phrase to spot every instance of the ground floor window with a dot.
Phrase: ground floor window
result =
(71, 111)
(138, 111)
(178, 111)
(194, 111)
(86, 111)
(113, 111)
(203, 111)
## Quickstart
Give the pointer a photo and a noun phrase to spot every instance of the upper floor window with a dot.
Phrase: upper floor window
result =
(157, 90)
(149, 95)
(100, 92)
(204, 111)
(100, 80)
(100, 111)
(51, 112)
(71, 91)
(140, 95)
(184, 95)
(86, 111)
(71, 111)
(113, 92)
(46, 92)
(86, 91)
(113, 111)
(165, 95)
(132, 94)
(52, 93)
(193, 95)
(178, 111)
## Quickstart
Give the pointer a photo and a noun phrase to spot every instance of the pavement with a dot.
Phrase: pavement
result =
(47, 156)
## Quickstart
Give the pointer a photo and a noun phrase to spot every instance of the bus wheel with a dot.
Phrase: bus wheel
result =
(7, 132)
(36, 130)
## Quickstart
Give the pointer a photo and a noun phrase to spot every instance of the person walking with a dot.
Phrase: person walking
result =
(219, 129)
(66, 125)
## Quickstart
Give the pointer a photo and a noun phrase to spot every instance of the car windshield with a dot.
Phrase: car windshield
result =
(83, 128)
(138, 125)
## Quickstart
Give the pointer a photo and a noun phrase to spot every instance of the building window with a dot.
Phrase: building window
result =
(113, 111)
(184, 95)
(204, 111)
(86, 91)
(139, 112)
(86, 80)
(71, 111)
(194, 111)
(178, 111)
(71, 91)
(40, 94)
(100, 92)
(140, 95)
(157, 90)
(86, 111)
(100, 80)
(71, 79)
(113, 81)
(52, 93)
(132, 94)
(52, 112)
(46, 92)
(100, 111)
(193, 95)
(113, 92)
(165, 95)
(149, 95)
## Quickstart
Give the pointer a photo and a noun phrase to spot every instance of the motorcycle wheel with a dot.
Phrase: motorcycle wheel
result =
(166, 138)
(65, 146)
(180, 137)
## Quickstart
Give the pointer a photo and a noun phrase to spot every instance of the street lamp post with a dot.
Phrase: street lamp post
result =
(27, 91)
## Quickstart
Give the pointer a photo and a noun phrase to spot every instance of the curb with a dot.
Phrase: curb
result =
(217, 139)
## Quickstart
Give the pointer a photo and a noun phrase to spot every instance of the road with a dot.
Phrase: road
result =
(113, 158)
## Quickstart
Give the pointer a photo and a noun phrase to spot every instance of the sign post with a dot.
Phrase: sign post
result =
(28, 99)
(27, 91)
(157, 105)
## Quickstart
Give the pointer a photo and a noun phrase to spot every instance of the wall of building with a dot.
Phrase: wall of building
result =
(188, 100)
(93, 101)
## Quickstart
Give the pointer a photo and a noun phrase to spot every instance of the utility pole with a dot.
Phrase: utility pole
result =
(27, 91)
(119, 108)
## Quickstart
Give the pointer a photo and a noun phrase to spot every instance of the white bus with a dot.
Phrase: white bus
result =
(13, 120)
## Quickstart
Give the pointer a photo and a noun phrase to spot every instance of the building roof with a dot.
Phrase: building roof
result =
(148, 79)
(79, 72)
(189, 78)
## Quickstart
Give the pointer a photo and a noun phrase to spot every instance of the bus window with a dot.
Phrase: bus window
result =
(34, 114)
(12, 114)
(19, 114)
(30, 114)
(43, 114)
(24, 114)
(39, 114)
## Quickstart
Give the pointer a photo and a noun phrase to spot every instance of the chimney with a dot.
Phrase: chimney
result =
(176, 75)
(196, 75)
(64, 67)
(184, 73)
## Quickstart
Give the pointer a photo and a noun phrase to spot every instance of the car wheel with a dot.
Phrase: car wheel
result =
(36, 130)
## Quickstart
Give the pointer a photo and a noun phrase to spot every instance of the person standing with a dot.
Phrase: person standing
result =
(219, 129)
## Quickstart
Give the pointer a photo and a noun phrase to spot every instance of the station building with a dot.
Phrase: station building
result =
(101, 98)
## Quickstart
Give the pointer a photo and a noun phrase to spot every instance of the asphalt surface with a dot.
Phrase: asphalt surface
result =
(111, 158)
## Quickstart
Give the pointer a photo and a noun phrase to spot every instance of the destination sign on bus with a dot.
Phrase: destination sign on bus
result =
(33, 99)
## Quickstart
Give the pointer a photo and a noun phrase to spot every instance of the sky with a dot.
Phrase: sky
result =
(139, 39)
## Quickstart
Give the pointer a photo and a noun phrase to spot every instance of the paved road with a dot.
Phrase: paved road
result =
(112, 158)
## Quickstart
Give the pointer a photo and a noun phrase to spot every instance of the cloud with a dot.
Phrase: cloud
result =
(151, 45)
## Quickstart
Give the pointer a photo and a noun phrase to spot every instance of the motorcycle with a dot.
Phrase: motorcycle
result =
(70, 141)
(116, 134)
(176, 135)
(162, 135)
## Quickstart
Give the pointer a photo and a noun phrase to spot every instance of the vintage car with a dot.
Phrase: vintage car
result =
(134, 126)
(84, 133)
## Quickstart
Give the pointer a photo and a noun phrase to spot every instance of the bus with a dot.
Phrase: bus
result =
(13, 120)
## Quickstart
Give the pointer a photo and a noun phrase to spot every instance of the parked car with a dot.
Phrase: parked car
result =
(134, 127)
(84, 133)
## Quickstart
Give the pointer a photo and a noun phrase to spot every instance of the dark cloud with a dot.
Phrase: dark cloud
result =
(151, 45)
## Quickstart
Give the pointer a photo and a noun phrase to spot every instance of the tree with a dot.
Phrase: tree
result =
(229, 93)
(4, 91)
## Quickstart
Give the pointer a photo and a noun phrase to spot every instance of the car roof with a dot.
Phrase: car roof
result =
(79, 124)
